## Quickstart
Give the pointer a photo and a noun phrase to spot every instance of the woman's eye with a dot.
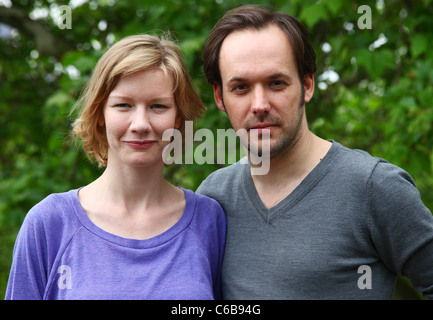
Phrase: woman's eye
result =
(122, 105)
(157, 106)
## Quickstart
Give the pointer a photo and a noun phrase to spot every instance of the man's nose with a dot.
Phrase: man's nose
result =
(260, 103)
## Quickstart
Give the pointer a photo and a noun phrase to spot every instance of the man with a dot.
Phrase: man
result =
(325, 222)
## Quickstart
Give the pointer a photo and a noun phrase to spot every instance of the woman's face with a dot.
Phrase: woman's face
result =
(137, 112)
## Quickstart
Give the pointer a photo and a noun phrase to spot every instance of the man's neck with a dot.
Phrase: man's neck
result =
(289, 168)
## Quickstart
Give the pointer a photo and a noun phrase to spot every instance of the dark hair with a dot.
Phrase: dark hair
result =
(257, 17)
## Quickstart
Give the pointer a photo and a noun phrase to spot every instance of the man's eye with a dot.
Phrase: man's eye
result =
(278, 84)
(240, 88)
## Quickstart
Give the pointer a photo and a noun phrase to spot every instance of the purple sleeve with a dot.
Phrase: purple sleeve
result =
(220, 252)
(211, 225)
(27, 279)
(34, 251)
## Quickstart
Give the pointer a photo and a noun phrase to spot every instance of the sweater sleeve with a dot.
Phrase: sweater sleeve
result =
(210, 224)
(36, 247)
(28, 275)
(401, 226)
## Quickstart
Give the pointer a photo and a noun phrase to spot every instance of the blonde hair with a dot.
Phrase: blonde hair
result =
(127, 56)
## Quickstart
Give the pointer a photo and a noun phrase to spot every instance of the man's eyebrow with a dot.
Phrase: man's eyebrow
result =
(271, 77)
(281, 75)
(236, 79)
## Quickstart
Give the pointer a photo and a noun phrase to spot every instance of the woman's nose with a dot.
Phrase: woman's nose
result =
(140, 122)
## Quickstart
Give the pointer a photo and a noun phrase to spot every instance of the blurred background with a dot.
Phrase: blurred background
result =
(373, 87)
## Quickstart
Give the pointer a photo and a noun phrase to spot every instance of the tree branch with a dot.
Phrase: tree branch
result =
(46, 43)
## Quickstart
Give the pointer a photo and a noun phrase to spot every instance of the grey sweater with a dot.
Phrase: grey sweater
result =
(351, 226)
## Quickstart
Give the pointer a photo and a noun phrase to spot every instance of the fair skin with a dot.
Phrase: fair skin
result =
(131, 198)
(261, 90)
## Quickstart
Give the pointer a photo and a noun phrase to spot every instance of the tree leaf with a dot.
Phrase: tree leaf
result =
(312, 14)
(419, 44)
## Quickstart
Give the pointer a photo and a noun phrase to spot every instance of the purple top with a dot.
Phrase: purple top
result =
(60, 254)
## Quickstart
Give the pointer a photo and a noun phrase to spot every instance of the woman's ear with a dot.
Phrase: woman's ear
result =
(101, 119)
(178, 121)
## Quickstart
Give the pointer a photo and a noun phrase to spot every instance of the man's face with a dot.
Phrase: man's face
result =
(261, 89)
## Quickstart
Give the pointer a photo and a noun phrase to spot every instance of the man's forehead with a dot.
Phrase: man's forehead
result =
(245, 50)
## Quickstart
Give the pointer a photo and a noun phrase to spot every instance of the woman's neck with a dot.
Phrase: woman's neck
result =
(133, 188)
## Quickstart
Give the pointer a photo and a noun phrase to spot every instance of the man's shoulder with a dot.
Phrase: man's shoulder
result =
(360, 165)
(224, 179)
(357, 161)
(231, 172)
(357, 156)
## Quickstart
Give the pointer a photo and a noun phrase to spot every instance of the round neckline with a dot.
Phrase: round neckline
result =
(155, 241)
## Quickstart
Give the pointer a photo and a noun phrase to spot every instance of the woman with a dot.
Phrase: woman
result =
(129, 234)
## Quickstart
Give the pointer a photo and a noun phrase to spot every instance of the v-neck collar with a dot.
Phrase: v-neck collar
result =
(306, 185)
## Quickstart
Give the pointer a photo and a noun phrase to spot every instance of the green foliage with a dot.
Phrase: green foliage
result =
(381, 101)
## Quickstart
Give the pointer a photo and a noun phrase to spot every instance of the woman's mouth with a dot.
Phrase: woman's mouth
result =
(136, 144)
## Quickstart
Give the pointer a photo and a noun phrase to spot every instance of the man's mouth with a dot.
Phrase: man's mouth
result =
(262, 127)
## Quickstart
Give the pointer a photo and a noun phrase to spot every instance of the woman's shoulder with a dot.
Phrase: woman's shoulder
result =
(54, 212)
(208, 221)
(207, 212)
(205, 204)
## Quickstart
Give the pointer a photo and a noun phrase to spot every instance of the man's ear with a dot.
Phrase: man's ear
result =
(217, 93)
(308, 87)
